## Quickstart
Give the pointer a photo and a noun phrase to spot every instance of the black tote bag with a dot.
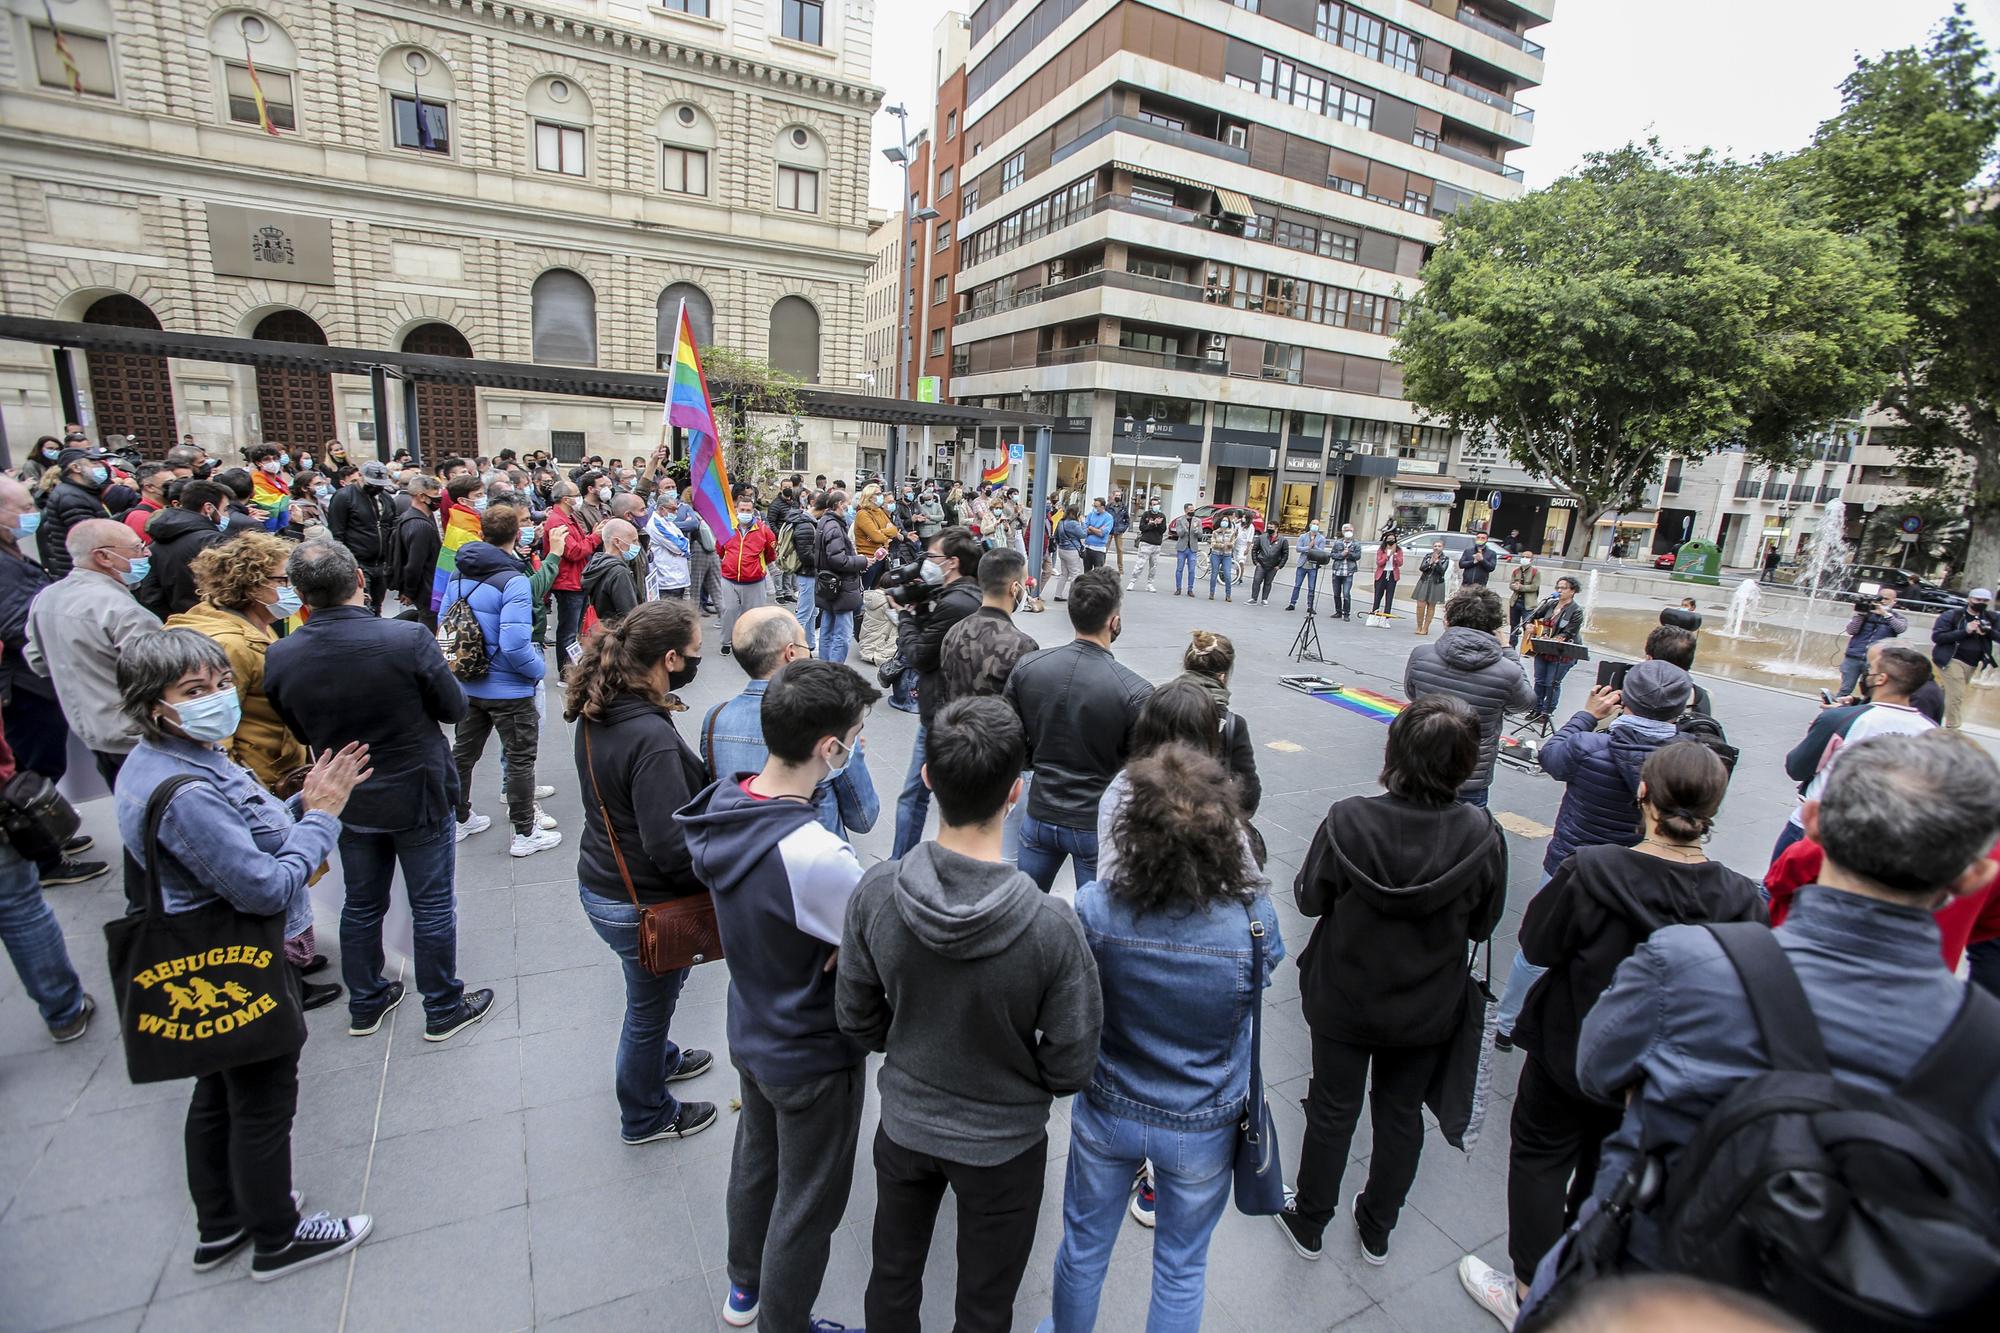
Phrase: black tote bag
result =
(199, 991)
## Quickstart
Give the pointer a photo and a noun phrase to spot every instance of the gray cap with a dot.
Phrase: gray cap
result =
(1657, 690)
(377, 474)
(1981, 595)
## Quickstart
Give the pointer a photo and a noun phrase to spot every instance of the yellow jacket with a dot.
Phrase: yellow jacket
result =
(873, 529)
(262, 743)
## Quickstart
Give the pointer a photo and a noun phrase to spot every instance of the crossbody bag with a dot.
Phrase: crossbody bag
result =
(673, 935)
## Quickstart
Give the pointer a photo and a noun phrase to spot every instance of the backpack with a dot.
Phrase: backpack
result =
(462, 641)
(1705, 730)
(1849, 1209)
(788, 551)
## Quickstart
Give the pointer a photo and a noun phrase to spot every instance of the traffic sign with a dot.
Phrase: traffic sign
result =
(1014, 452)
(1913, 524)
(1493, 500)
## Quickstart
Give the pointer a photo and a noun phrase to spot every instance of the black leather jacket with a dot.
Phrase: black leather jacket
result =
(926, 650)
(1077, 705)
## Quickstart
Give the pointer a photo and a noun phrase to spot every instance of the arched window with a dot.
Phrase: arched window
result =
(801, 165)
(701, 314)
(795, 338)
(420, 93)
(687, 148)
(256, 62)
(558, 125)
(565, 318)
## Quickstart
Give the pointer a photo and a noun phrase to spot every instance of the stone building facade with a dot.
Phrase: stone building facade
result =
(541, 181)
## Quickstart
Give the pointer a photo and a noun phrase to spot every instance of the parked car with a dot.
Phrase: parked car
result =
(1238, 514)
(1912, 592)
(1665, 559)
(1455, 545)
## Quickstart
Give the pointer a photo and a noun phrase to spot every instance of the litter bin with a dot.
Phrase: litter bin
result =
(1698, 562)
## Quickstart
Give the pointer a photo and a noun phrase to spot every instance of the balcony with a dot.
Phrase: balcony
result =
(1157, 133)
(1498, 33)
(1131, 356)
(1747, 488)
(1131, 282)
(1498, 101)
(1776, 490)
(1484, 163)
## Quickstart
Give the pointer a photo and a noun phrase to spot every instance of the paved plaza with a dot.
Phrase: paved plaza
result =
(501, 1194)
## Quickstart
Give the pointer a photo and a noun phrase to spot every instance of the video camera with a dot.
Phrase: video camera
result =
(909, 587)
(1868, 603)
(1317, 555)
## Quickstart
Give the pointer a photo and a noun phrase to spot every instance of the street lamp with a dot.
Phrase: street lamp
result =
(899, 153)
(1342, 452)
(1477, 475)
(1134, 431)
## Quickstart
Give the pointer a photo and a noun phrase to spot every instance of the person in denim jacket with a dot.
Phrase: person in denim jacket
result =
(223, 836)
(732, 734)
(1171, 933)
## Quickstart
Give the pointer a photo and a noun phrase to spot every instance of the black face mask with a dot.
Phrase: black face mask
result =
(684, 677)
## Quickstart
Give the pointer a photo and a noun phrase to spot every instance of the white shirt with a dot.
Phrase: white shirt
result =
(1875, 720)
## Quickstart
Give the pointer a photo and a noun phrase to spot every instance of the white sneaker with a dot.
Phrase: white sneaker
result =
(1151, 588)
(1493, 1289)
(1133, 584)
(527, 844)
(475, 823)
(542, 793)
(543, 819)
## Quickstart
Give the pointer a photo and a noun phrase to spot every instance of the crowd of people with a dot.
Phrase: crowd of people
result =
(222, 640)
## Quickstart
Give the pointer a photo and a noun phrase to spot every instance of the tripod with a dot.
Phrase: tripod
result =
(1306, 643)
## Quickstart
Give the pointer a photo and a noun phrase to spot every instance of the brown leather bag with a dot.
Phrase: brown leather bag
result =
(673, 935)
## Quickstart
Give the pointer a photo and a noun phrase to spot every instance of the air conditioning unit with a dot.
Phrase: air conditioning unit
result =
(1057, 268)
(1216, 342)
(1237, 136)
(1214, 354)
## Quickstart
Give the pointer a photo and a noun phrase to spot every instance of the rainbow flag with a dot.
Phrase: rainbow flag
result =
(689, 408)
(993, 476)
(461, 525)
(272, 499)
(1380, 707)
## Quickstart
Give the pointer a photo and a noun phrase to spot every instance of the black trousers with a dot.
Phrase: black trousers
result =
(239, 1151)
(997, 1210)
(1385, 594)
(1092, 559)
(1551, 1164)
(377, 585)
(1260, 583)
(1516, 615)
(1340, 1076)
(520, 733)
(108, 764)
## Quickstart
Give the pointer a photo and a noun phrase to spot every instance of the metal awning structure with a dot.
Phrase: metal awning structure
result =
(512, 376)
(1232, 202)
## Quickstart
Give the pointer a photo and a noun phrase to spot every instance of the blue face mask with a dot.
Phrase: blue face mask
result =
(287, 604)
(212, 717)
(25, 525)
(136, 575)
(479, 505)
(98, 476)
(631, 553)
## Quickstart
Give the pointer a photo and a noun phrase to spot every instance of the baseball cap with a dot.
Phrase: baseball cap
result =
(377, 475)
(68, 456)
(1981, 595)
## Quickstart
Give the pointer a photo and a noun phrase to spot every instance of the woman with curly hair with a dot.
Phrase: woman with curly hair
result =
(1171, 929)
(1208, 662)
(635, 770)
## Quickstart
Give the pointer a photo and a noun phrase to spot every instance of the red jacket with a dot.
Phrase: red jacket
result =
(743, 555)
(1389, 562)
(139, 516)
(582, 545)
(1961, 921)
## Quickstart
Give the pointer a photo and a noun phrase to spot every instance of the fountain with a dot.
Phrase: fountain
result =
(1589, 599)
(1825, 555)
(1744, 603)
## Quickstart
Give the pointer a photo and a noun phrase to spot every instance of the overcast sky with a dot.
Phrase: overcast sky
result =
(1751, 76)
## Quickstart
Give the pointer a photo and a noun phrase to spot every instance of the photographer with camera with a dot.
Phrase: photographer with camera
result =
(951, 568)
(1874, 621)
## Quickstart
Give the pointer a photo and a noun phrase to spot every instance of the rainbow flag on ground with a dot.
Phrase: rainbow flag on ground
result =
(689, 408)
(1380, 707)
(993, 476)
(270, 497)
(461, 525)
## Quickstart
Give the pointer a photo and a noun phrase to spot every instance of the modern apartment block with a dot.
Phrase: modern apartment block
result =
(1188, 228)
(881, 317)
(541, 180)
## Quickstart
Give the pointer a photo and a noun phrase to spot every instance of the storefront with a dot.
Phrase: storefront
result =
(1298, 492)
(1245, 465)
(1422, 505)
(1624, 536)
(1530, 519)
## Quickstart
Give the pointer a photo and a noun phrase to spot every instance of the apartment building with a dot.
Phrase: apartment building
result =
(542, 180)
(882, 318)
(1188, 228)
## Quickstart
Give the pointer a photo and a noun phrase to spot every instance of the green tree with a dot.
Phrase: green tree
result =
(1906, 165)
(1643, 309)
(754, 404)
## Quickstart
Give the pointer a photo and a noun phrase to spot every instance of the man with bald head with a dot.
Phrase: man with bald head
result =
(77, 628)
(732, 735)
(610, 588)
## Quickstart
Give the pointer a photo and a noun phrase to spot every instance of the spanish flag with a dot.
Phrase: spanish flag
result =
(257, 92)
(62, 51)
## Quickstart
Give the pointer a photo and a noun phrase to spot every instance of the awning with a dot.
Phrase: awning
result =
(1234, 203)
(1153, 174)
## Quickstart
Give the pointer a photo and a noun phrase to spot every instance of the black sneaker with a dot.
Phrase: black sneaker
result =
(67, 871)
(321, 1236)
(1503, 1041)
(63, 1033)
(691, 1119)
(210, 1254)
(78, 845)
(1298, 1231)
(314, 995)
(472, 1007)
(318, 964)
(1375, 1252)
(694, 1063)
(367, 1025)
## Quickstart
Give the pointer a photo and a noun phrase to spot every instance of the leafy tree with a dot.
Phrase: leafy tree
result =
(1643, 309)
(1906, 164)
(751, 398)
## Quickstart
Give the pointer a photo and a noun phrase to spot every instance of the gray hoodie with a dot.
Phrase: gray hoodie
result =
(1479, 669)
(982, 991)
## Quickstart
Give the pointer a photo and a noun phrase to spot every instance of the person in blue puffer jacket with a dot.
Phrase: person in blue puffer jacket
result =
(504, 697)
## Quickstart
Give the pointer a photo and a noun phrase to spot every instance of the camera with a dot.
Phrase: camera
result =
(909, 587)
(1867, 604)
(1317, 555)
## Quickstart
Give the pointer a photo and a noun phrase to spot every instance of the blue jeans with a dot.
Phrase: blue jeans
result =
(836, 631)
(570, 606)
(1220, 567)
(429, 857)
(1307, 577)
(1343, 595)
(646, 1054)
(807, 613)
(1521, 978)
(1788, 835)
(1044, 847)
(1191, 1183)
(1184, 564)
(1477, 798)
(1984, 958)
(1549, 673)
(913, 807)
(903, 694)
(35, 942)
(1850, 675)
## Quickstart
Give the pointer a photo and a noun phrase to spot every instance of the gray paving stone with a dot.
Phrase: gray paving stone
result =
(470, 1275)
(451, 1087)
(109, 1156)
(452, 1174)
(608, 1241)
(676, 1307)
(96, 1259)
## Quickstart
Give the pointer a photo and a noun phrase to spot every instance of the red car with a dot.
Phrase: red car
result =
(1664, 560)
(1238, 514)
